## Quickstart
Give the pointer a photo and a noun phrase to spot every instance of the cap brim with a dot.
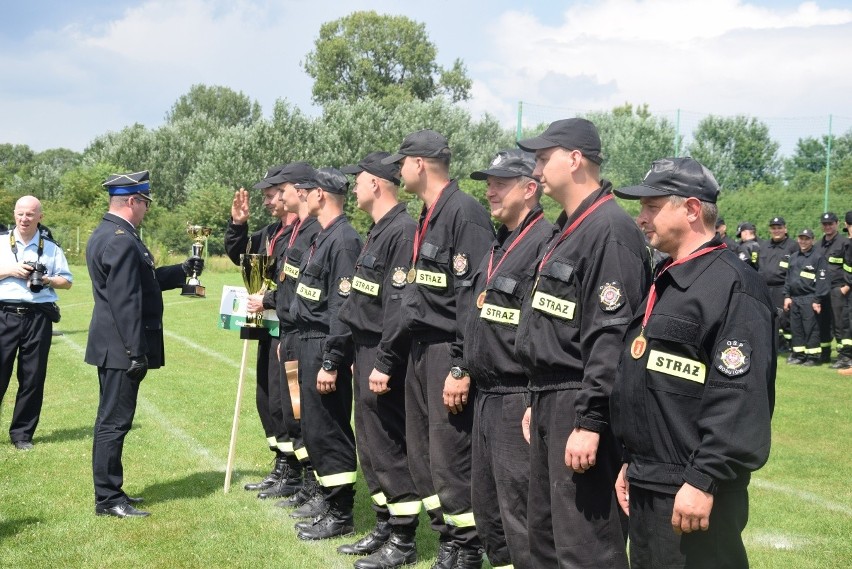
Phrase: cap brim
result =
(262, 185)
(393, 158)
(641, 191)
(351, 169)
(497, 172)
(537, 143)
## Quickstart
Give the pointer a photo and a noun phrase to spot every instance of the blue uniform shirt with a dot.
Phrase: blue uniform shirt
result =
(14, 289)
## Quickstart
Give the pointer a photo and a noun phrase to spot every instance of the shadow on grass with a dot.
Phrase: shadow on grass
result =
(70, 332)
(196, 485)
(14, 527)
(65, 435)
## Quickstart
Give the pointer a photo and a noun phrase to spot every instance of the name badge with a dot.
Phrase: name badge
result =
(835, 260)
(806, 275)
(784, 264)
(307, 292)
(428, 278)
(291, 271)
(676, 366)
(500, 314)
(552, 305)
(366, 287)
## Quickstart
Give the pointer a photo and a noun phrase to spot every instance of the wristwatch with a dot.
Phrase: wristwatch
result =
(329, 365)
(458, 372)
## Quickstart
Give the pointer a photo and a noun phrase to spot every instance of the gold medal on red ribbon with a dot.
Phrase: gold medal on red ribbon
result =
(412, 275)
(637, 348)
(480, 300)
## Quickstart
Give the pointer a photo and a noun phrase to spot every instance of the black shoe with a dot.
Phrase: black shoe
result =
(795, 360)
(315, 506)
(305, 524)
(825, 356)
(123, 510)
(469, 558)
(370, 543)
(23, 445)
(333, 524)
(398, 550)
(447, 554)
(137, 500)
(271, 478)
(298, 499)
(286, 486)
(811, 362)
(842, 362)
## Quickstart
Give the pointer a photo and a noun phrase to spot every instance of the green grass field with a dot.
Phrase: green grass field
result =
(801, 502)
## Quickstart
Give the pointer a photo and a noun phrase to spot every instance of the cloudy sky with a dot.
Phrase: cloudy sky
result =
(72, 70)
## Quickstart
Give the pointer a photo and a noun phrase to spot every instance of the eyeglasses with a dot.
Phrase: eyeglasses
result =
(145, 199)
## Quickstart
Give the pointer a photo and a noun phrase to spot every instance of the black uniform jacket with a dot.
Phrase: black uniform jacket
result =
(238, 242)
(325, 281)
(373, 310)
(833, 250)
(458, 236)
(288, 269)
(847, 262)
(488, 343)
(807, 277)
(749, 252)
(573, 321)
(127, 320)
(774, 260)
(696, 405)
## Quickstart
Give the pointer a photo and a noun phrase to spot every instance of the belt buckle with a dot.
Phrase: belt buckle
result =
(21, 310)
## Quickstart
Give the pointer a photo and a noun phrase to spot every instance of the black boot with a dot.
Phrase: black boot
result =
(397, 551)
(812, 361)
(272, 477)
(315, 506)
(469, 558)
(825, 356)
(447, 554)
(796, 358)
(300, 498)
(289, 483)
(305, 524)
(370, 543)
(334, 523)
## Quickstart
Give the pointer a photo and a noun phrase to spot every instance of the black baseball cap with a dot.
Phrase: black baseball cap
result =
(570, 134)
(294, 173)
(372, 163)
(424, 143)
(777, 220)
(828, 217)
(683, 177)
(745, 226)
(331, 180)
(848, 217)
(270, 172)
(806, 233)
(720, 221)
(509, 163)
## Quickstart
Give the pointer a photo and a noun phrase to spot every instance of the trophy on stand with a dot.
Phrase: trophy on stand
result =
(193, 285)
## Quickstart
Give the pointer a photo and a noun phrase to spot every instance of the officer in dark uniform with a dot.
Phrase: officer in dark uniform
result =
(846, 369)
(271, 240)
(806, 290)
(695, 390)
(325, 357)
(453, 236)
(500, 456)
(833, 319)
(749, 248)
(126, 331)
(591, 277)
(373, 313)
(774, 257)
(31, 266)
(722, 230)
(300, 238)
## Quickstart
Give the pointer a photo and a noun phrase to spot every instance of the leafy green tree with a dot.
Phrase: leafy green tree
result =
(738, 150)
(387, 58)
(45, 172)
(810, 154)
(221, 105)
(15, 159)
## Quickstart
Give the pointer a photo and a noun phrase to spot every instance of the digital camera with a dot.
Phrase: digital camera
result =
(34, 280)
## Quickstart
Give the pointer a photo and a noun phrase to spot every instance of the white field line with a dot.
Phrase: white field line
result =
(802, 495)
(235, 362)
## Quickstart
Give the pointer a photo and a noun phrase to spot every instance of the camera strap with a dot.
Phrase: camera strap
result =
(13, 244)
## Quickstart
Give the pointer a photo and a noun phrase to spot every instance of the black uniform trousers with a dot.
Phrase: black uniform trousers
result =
(654, 544)
(840, 321)
(326, 424)
(573, 519)
(804, 323)
(290, 428)
(439, 444)
(268, 391)
(380, 434)
(27, 335)
(116, 408)
(501, 478)
(777, 294)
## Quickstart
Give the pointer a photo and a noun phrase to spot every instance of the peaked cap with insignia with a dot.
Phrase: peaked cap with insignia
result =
(127, 184)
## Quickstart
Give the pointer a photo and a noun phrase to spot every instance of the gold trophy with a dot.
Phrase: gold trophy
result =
(193, 285)
(254, 269)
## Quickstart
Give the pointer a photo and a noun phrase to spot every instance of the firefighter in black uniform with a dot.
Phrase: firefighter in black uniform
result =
(592, 275)
(382, 344)
(325, 357)
(695, 390)
(847, 273)
(722, 230)
(270, 240)
(748, 249)
(806, 292)
(774, 257)
(833, 319)
(305, 227)
(500, 455)
(453, 236)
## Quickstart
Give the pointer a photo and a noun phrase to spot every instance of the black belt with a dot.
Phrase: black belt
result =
(22, 308)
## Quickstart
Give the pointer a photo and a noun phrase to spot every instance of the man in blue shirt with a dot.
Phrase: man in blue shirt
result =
(31, 267)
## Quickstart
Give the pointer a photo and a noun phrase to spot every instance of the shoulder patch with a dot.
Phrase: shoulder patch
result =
(611, 296)
(344, 287)
(733, 358)
(119, 232)
(460, 264)
(398, 277)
